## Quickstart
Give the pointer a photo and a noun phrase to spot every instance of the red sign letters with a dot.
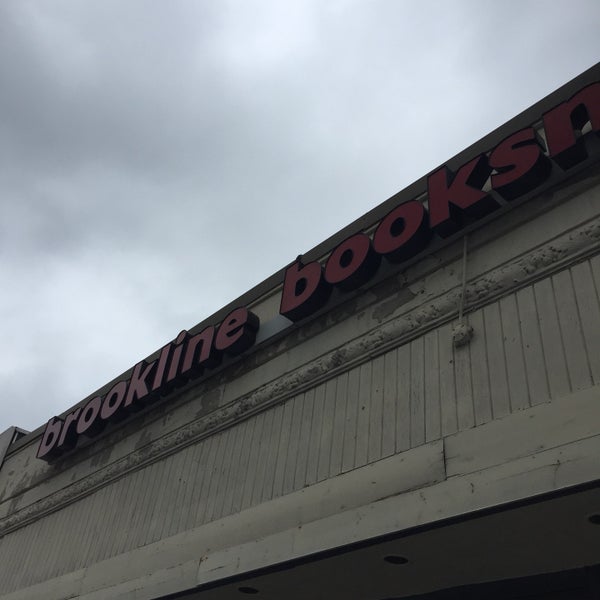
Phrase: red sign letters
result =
(517, 165)
(187, 357)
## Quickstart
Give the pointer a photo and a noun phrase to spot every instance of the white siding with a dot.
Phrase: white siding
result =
(529, 347)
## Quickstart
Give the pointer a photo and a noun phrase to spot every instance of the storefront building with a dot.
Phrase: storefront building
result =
(412, 409)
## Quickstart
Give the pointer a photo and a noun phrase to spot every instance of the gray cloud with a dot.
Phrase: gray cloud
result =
(159, 159)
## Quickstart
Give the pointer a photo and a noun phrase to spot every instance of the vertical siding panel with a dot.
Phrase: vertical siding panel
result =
(570, 326)
(403, 399)
(238, 491)
(293, 444)
(234, 471)
(513, 349)
(449, 418)
(532, 346)
(155, 493)
(253, 451)
(40, 570)
(56, 523)
(235, 479)
(464, 390)
(595, 267)
(29, 568)
(111, 518)
(91, 509)
(156, 483)
(267, 491)
(120, 516)
(57, 538)
(308, 402)
(132, 533)
(125, 512)
(190, 466)
(201, 479)
(417, 393)
(24, 564)
(7, 558)
(376, 413)
(169, 495)
(70, 543)
(143, 500)
(131, 540)
(558, 378)
(266, 444)
(234, 450)
(499, 392)
(13, 563)
(316, 433)
(339, 429)
(364, 410)
(350, 433)
(125, 515)
(35, 568)
(327, 428)
(11, 546)
(58, 561)
(107, 525)
(207, 473)
(390, 393)
(203, 482)
(589, 311)
(482, 401)
(219, 475)
(432, 387)
(145, 531)
(68, 540)
(129, 512)
(83, 517)
(100, 507)
(189, 478)
(191, 474)
(286, 424)
(162, 495)
(186, 486)
(47, 561)
(217, 496)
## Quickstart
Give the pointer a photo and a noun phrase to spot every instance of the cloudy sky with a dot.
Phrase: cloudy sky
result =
(158, 159)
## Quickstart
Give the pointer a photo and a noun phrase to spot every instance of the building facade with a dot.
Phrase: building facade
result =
(412, 409)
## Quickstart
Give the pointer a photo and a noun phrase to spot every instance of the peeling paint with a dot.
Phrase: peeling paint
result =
(102, 458)
(386, 309)
(392, 333)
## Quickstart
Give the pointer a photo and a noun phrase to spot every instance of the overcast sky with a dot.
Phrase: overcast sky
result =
(159, 159)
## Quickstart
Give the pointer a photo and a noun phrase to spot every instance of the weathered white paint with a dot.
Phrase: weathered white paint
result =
(406, 490)
(365, 421)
